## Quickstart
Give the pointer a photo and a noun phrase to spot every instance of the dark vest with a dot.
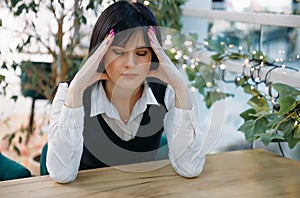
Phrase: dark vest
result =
(102, 147)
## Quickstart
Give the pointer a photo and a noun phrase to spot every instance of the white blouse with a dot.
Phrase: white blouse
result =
(65, 140)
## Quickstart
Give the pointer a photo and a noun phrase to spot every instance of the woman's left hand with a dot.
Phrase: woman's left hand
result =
(167, 71)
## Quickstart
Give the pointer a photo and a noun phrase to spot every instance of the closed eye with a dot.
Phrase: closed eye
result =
(118, 52)
(142, 53)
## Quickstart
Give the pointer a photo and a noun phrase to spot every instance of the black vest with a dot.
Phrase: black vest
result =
(102, 147)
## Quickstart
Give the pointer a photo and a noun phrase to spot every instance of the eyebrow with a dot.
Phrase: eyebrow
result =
(139, 47)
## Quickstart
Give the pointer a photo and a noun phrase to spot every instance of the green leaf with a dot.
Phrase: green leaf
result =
(11, 137)
(2, 78)
(259, 103)
(34, 79)
(216, 57)
(215, 46)
(287, 97)
(14, 2)
(297, 131)
(247, 115)
(258, 55)
(14, 98)
(266, 138)
(253, 127)
(250, 90)
(274, 121)
(190, 73)
(20, 9)
(17, 150)
(200, 84)
(4, 66)
(213, 96)
(83, 19)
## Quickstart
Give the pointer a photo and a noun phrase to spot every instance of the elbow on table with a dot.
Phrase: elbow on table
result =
(189, 170)
(63, 178)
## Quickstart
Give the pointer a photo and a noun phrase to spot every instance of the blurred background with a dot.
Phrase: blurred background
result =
(44, 43)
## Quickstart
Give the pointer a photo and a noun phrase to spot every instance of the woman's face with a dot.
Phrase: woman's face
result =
(128, 66)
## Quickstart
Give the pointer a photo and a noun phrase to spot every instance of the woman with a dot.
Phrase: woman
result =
(127, 93)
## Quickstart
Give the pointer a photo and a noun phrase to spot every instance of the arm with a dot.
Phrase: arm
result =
(65, 140)
(181, 123)
(184, 136)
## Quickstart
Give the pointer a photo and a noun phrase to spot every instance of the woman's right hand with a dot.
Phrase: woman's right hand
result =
(88, 74)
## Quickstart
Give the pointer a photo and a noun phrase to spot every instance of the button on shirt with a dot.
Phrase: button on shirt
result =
(65, 139)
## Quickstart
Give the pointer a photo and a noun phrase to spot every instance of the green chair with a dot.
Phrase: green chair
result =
(10, 169)
(43, 167)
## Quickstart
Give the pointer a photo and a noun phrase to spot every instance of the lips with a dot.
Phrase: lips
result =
(129, 75)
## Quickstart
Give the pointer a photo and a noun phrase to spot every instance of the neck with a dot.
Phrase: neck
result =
(123, 99)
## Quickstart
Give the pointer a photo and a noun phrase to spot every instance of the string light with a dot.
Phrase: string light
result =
(208, 84)
(173, 50)
(193, 89)
(253, 52)
(188, 43)
(146, 3)
(222, 66)
(184, 66)
(185, 57)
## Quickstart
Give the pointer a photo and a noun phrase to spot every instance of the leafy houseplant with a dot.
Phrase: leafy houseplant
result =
(270, 121)
(270, 118)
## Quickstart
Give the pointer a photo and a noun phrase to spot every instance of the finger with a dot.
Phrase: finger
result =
(99, 51)
(160, 53)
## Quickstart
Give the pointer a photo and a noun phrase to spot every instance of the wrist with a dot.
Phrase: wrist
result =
(74, 97)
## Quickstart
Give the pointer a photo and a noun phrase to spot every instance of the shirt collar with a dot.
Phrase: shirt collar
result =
(100, 103)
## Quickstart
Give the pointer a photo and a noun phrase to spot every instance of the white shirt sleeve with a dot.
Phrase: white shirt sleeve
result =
(65, 139)
(184, 136)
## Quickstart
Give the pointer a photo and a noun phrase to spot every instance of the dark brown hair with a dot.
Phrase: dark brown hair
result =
(125, 17)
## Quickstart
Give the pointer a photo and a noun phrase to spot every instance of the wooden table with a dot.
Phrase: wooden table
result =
(245, 173)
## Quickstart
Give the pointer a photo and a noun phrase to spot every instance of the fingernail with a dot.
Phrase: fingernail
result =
(111, 33)
(152, 28)
(107, 42)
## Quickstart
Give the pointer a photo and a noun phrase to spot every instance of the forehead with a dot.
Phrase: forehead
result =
(130, 39)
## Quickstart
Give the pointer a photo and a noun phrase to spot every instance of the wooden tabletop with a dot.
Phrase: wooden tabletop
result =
(245, 173)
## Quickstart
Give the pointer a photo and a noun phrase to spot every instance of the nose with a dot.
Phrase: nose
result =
(130, 62)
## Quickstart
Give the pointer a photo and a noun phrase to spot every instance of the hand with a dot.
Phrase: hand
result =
(88, 74)
(167, 71)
